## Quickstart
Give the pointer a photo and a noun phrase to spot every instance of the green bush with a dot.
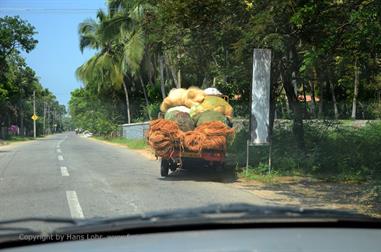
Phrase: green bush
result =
(375, 110)
(332, 150)
(153, 110)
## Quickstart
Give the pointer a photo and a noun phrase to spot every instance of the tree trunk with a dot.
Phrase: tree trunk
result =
(179, 78)
(274, 86)
(127, 102)
(174, 76)
(297, 127)
(289, 86)
(226, 66)
(145, 96)
(355, 92)
(21, 122)
(43, 124)
(49, 128)
(320, 85)
(173, 73)
(161, 69)
(288, 109)
(335, 109)
(205, 82)
(313, 100)
(321, 102)
(305, 101)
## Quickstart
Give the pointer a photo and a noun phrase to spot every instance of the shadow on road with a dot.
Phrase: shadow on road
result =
(204, 174)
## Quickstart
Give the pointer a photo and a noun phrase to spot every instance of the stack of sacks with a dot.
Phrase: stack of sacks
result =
(163, 136)
(182, 97)
(214, 103)
(209, 116)
(208, 136)
(185, 108)
(217, 135)
(180, 115)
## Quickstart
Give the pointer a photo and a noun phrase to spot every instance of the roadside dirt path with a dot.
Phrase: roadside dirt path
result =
(314, 193)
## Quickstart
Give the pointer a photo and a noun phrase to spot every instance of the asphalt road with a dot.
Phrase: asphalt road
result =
(66, 175)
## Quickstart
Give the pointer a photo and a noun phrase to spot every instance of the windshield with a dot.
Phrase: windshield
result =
(123, 107)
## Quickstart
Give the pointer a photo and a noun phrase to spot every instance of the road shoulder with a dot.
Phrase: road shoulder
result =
(309, 192)
(146, 152)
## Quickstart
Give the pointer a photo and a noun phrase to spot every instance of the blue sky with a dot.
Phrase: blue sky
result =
(57, 54)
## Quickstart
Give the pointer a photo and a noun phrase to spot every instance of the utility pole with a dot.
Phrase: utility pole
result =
(48, 111)
(44, 130)
(34, 112)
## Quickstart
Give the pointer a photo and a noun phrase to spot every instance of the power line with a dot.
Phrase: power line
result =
(52, 9)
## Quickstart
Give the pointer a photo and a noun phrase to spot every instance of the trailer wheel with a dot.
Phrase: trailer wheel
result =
(164, 167)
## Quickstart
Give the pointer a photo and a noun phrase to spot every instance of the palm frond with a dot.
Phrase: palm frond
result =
(133, 50)
(87, 34)
(110, 28)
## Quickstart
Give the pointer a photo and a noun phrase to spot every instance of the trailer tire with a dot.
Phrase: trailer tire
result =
(164, 167)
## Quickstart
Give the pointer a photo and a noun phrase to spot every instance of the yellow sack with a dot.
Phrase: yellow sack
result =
(214, 103)
(182, 97)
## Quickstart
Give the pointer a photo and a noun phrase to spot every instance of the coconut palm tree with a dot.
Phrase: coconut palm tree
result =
(119, 39)
(104, 69)
(126, 17)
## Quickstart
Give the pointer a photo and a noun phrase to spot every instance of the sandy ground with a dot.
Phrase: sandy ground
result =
(314, 193)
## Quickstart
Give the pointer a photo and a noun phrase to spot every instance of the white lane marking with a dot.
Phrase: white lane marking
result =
(64, 171)
(57, 146)
(60, 157)
(74, 206)
(59, 151)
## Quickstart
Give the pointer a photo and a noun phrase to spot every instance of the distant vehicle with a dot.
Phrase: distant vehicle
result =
(78, 130)
(87, 133)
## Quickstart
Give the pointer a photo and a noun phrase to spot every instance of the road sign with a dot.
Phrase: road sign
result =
(260, 107)
(260, 103)
(34, 117)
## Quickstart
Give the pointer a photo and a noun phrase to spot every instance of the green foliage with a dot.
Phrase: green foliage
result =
(375, 110)
(153, 110)
(15, 34)
(334, 150)
(18, 82)
(90, 113)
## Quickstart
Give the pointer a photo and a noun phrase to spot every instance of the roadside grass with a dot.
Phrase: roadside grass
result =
(14, 139)
(253, 174)
(19, 138)
(334, 152)
(136, 144)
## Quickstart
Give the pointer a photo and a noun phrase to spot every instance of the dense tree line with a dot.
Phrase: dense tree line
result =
(325, 56)
(18, 82)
